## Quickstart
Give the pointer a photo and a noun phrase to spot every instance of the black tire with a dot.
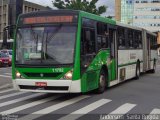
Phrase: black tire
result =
(137, 71)
(102, 82)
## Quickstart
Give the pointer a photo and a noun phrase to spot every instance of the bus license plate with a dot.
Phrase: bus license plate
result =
(41, 84)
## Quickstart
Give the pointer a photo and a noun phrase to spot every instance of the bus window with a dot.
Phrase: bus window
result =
(88, 45)
(130, 39)
(88, 41)
(104, 42)
(99, 42)
(102, 36)
(121, 38)
(138, 40)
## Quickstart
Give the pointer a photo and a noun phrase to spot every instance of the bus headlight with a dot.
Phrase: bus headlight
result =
(68, 75)
(18, 75)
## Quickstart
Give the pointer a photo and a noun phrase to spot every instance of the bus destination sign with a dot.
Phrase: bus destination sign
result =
(48, 19)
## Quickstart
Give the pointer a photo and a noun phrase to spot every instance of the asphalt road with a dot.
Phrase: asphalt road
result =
(5, 77)
(131, 99)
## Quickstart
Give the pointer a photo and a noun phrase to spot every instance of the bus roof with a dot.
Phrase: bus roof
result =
(128, 26)
(98, 18)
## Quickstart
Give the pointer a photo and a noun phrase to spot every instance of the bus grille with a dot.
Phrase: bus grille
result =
(43, 75)
(64, 88)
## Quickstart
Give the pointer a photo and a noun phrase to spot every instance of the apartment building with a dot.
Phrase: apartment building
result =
(141, 13)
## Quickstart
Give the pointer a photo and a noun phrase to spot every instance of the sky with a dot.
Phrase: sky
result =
(109, 3)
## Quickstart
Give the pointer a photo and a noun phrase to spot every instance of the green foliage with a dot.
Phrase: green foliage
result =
(83, 5)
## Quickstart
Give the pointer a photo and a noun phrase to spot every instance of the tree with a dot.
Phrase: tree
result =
(83, 5)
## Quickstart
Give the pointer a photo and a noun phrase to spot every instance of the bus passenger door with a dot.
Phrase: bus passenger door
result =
(113, 53)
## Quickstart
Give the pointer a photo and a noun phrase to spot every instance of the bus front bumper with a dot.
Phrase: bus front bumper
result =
(52, 86)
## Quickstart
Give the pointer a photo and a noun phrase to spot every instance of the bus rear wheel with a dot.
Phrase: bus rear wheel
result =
(102, 82)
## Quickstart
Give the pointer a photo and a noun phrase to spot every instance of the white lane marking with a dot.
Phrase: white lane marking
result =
(85, 110)
(4, 68)
(8, 73)
(12, 94)
(16, 109)
(122, 110)
(8, 90)
(5, 86)
(5, 76)
(53, 108)
(155, 111)
(20, 99)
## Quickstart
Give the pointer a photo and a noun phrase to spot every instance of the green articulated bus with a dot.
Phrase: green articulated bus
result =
(66, 51)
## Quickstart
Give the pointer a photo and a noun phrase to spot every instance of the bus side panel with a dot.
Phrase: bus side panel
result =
(129, 61)
(90, 78)
(113, 70)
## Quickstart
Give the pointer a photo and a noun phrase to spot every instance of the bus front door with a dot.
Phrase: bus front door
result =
(113, 54)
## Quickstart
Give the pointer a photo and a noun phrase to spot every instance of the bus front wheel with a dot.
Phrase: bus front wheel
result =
(102, 82)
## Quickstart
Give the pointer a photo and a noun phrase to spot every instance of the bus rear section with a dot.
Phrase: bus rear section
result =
(45, 52)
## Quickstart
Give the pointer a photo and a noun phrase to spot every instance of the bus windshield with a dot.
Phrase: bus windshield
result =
(45, 45)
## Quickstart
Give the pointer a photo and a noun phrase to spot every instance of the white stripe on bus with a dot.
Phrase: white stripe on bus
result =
(20, 99)
(53, 108)
(85, 110)
(32, 104)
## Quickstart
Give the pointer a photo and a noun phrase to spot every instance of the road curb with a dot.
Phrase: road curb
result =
(6, 86)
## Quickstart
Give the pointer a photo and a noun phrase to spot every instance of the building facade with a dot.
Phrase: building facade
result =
(5, 11)
(147, 14)
(141, 13)
(124, 11)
